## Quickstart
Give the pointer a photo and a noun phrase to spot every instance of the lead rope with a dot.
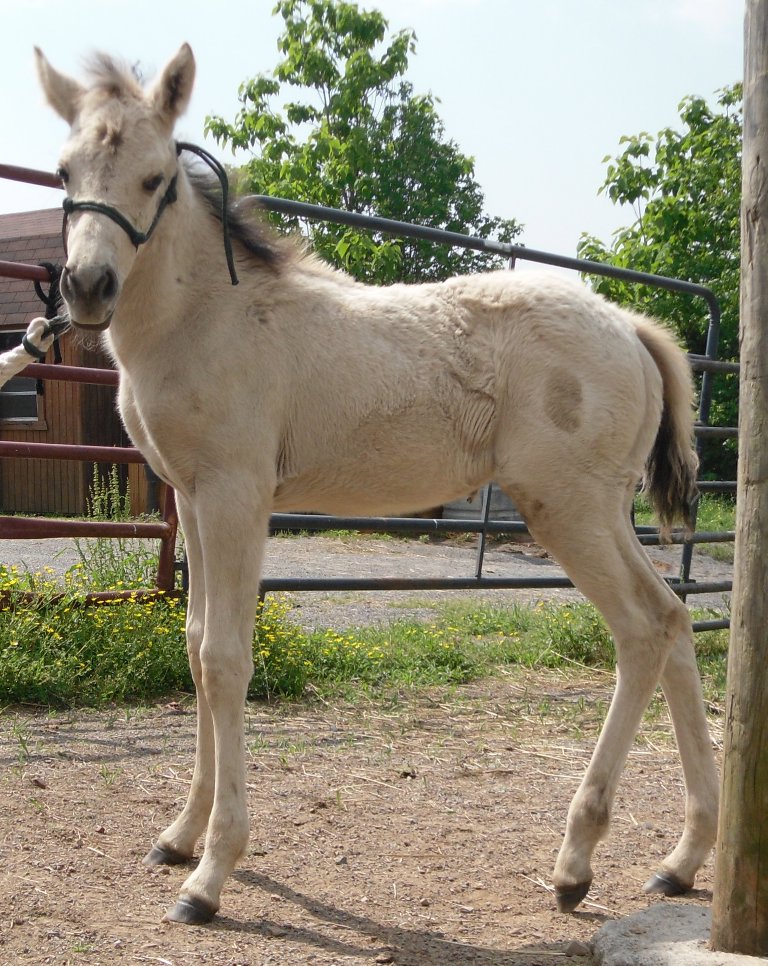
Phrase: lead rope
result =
(218, 169)
(52, 300)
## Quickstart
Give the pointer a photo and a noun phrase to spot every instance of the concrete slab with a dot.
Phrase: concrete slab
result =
(665, 934)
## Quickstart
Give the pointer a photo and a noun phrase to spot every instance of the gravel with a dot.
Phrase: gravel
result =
(357, 556)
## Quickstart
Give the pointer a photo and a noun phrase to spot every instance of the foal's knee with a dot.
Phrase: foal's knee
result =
(225, 673)
(194, 645)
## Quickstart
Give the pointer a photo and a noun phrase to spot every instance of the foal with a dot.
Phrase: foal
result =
(300, 389)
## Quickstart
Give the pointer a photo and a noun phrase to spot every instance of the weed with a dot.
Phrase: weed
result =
(110, 775)
(113, 563)
(20, 734)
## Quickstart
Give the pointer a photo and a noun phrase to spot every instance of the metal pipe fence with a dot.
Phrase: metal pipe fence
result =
(30, 528)
(707, 364)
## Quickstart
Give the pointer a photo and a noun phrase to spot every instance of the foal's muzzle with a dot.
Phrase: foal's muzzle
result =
(90, 292)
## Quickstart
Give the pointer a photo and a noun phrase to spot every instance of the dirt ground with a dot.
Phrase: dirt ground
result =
(418, 831)
(421, 832)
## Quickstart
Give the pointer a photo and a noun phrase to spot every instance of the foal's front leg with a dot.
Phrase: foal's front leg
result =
(177, 843)
(232, 531)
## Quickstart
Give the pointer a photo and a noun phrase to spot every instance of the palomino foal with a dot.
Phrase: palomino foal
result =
(362, 400)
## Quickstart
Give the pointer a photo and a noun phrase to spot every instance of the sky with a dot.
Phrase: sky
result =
(538, 92)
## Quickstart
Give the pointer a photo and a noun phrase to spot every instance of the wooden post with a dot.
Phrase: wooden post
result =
(740, 908)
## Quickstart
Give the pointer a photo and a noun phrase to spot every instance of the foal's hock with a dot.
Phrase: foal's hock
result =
(362, 400)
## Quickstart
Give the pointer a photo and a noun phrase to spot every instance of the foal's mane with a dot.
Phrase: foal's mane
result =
(246, 227)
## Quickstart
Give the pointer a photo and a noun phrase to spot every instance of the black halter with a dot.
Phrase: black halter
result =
(136, 236)
(140, 237)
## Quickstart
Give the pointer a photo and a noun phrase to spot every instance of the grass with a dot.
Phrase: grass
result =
(345, 536)
(61, 653)
(715, 513)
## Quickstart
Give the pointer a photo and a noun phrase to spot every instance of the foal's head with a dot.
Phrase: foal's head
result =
(119, 168)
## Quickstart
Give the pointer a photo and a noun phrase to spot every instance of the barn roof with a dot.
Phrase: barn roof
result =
(31, 237)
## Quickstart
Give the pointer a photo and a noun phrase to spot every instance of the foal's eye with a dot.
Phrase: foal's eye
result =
(152, 184)
(62, 173)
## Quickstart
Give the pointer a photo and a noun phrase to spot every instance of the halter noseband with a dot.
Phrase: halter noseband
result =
(140, 237)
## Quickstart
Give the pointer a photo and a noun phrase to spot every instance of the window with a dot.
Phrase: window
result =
(20, 398)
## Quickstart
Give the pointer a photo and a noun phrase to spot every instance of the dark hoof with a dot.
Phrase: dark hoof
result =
(665, 884)
(568, 898)
(191, 911)
(163, 855)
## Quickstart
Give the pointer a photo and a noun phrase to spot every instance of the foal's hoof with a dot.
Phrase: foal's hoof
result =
(570, 896)
(665, 884)
(191, 911)
(163, 855)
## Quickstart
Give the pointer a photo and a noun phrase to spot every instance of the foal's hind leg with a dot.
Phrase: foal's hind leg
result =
(177, 843)
(682, 689)
(593, 541)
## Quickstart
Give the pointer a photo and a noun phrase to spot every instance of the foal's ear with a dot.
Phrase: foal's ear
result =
(62, 92)
(171, 92)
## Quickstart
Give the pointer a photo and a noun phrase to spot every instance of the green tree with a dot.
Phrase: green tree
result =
(356, 136)
(685, 189)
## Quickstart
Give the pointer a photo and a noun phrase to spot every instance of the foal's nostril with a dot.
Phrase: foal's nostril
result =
(108, 285)
(68, 285)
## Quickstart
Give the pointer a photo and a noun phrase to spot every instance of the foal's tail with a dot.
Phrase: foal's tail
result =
(670, 470)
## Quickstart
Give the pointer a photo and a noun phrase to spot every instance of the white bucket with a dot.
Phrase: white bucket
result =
(502, 508)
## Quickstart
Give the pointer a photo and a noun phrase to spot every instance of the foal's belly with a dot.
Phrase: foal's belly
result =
(374, 482)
